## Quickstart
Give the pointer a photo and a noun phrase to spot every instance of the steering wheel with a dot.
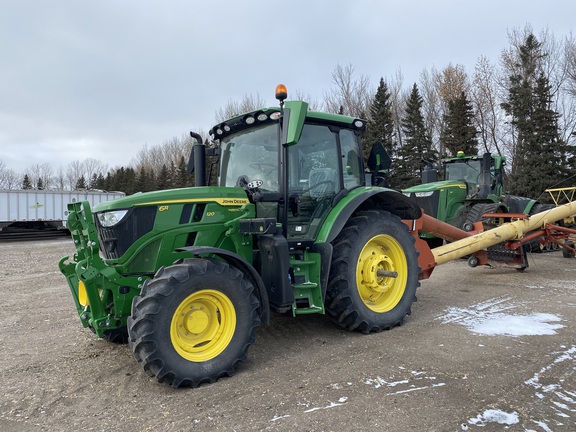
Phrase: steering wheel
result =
(311, 188)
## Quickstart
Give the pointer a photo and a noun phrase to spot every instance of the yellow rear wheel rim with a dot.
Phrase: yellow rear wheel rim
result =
(203, 325)
(381, 254)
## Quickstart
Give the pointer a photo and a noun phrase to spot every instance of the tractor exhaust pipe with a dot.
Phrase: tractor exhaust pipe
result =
(197, 161)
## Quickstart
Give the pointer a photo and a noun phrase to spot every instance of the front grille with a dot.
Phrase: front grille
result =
(428, 203)
(115, 240)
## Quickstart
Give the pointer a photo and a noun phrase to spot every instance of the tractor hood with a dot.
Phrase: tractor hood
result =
(226, 196)
(431, 187)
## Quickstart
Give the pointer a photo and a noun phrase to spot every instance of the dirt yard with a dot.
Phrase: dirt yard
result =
(484, 350)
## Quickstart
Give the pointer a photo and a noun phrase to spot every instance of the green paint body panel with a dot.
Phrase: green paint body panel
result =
(111, 283)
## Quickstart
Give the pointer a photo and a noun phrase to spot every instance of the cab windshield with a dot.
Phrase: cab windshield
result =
(468, 171)
(251, 154)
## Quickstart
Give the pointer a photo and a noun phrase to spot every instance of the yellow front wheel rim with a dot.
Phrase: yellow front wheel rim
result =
(203, 325)
(381, 273)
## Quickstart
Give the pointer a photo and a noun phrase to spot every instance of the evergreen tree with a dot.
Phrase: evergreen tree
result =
(183, 179)
(26, 183)
(459, 133)
(163, 181)
(380, 127)
(108, 182)
(93, 181)
(541, 156)
(100, 182)
(81, 183)
(144, 181)
(124, 180)
(40, 184)
(173, 173)
(416, 147)
(129, 181)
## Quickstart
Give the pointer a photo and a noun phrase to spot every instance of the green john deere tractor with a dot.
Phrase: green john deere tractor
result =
(186, 276)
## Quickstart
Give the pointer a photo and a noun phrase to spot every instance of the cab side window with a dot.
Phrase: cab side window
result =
(351, 160)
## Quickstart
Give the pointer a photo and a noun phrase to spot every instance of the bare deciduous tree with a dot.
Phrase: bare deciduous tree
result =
(92, 167)
(451, 82)
(248, 103)
(398, 98)
(41, 174)
(432, 109)
(438, 89)
(166, 154)
(8, 177)
(313, 104)
(348, 96)
(74, 171)
(489, 116)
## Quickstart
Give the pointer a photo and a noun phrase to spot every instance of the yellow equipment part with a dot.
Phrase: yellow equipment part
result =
(508, 231)
(82, 296)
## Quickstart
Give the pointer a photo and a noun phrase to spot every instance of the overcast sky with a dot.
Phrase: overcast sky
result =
(100, 79)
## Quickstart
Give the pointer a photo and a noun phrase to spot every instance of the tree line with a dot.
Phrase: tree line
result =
(522, 107)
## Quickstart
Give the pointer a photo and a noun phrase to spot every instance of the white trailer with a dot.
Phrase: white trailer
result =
(39, 209)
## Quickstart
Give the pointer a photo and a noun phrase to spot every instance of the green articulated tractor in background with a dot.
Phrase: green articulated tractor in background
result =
(294, 225)
(472, 186)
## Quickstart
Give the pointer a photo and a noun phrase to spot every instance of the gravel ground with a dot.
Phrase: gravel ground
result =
(485, 349)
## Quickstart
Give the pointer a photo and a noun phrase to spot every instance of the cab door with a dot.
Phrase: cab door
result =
(323, 163)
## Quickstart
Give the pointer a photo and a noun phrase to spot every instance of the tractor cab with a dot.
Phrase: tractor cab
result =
(294, 164)
(482, 175)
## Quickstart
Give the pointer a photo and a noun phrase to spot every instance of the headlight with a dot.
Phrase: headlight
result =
(111, 218)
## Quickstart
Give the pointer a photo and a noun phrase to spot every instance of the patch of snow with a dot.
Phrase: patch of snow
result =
(410, 390)
(488, 318)
(407, 385)
(563, 402)
(518, 325)
(495, 416)
(340, 402)
(543, 425)
(276, 418)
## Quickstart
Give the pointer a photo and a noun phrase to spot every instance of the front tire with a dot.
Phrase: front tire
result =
(374, 273)
(193, 322)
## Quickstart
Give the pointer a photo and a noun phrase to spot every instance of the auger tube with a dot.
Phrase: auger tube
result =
(508, 231)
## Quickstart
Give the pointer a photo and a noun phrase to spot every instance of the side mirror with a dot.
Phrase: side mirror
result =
(379, 160)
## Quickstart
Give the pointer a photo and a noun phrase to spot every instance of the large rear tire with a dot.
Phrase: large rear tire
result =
(374, 273)
(478, 210)
(193, 322)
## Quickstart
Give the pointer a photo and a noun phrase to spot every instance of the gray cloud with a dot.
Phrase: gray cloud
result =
(101, 79)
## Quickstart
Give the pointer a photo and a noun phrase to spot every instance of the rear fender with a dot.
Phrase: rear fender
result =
(366, 198)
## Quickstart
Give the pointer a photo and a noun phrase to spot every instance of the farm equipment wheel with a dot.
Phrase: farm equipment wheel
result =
(193, 322)
(568, 253)
(476, 212)
(374, 273)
